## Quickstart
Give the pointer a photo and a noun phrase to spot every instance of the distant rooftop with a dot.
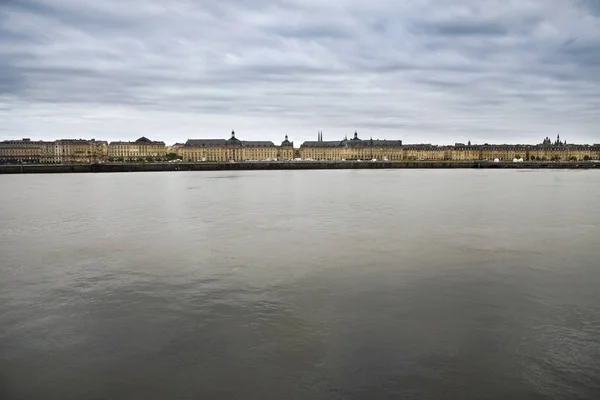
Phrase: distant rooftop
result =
(232, 141)
(143, 140)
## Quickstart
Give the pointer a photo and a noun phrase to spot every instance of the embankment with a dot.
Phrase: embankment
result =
(257, 166)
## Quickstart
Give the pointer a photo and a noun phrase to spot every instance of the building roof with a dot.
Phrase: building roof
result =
(25, 141)
(355, 139)
(353, 143)
(421, 146)
(258, 143)
(287, 143)
(385, 143)
(205, 142)
(229, 142)
(329, 143)
(142, 140)
(75, 140)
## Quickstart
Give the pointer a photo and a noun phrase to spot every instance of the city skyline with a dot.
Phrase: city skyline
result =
(318, 136)
(236, 150)
(424, 72)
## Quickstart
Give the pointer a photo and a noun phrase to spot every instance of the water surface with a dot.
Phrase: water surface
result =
(301, 285)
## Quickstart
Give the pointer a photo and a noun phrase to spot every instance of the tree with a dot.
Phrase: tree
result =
(573, 158)
(173, 156)
(532, 158)
(586, 158)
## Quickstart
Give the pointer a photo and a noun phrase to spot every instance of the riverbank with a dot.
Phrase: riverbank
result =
(257, 166)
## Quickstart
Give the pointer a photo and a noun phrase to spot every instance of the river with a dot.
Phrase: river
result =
(353, 284)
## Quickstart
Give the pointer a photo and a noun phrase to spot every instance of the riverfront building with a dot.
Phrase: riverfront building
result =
(427, 152)
(351, 149)
(286, 150)
(59, 151)
(355, 148)
(233, 149)
(79, 150)
(141, 149)
(26, 150)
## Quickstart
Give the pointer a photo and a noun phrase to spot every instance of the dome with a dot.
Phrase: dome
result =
(233, 139)
(286, 142)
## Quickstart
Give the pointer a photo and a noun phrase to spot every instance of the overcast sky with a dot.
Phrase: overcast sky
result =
(497, 71)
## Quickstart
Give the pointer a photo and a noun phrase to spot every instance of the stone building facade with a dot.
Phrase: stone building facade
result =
(175, 148)
(141, 149)
(286, 150)
(26, 151)
(560, 150)
(233, 149)
(59, 151)
(465, 152)
(503, 152)
(356, 148)
(426, 152)
(79, 150)
(351, 149)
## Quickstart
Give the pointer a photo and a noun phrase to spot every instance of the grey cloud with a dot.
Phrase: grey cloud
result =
(9, 81)
(592, 6)
(314, 32)
(463, 28)
(585, 54)
(425, 70)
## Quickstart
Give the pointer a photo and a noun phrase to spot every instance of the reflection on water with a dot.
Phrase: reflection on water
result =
(300, 284)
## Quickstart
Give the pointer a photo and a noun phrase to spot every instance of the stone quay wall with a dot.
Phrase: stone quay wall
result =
(300, 165)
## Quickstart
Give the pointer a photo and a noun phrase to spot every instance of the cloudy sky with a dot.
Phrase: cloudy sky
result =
(425, 71)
